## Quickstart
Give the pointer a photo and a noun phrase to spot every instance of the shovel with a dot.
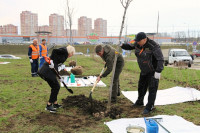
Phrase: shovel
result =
(90, 96)
(47, 59)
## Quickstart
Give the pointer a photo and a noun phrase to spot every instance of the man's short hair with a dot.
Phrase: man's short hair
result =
(98, 48)
(43, 40)
(35, 40)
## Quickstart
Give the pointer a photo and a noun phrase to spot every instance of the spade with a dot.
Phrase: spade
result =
(90, 96)
(47, 59)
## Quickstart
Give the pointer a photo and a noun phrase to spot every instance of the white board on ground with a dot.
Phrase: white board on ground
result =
(174, 124)
(168, 96)
(4, 62)
(81, 82)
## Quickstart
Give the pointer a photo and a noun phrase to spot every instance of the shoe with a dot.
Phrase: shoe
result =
(50, 108)
(146, 111)
(138, 104)
(34, 76)
(57, 106)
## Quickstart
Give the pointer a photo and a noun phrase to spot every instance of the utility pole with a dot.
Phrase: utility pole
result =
(158, 23)
(157, 26)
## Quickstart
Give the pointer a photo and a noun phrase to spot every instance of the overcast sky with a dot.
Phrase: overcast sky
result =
(175, 15)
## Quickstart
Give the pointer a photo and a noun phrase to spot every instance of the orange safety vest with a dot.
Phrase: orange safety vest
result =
(35, 51)
(44, 50)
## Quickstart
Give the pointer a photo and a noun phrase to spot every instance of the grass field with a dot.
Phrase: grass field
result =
(23, 98)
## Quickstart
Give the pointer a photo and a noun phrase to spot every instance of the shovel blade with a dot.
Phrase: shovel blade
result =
(68, 88)
(70, 91)
(90, 96)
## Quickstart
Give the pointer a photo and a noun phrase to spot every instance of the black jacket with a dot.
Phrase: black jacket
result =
(59, 56)
(150, 59)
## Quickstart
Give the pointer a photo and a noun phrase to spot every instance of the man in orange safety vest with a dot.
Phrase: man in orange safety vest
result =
(43, 52)
(33, 54)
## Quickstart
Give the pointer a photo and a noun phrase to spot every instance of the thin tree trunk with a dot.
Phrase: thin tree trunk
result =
(115, 60)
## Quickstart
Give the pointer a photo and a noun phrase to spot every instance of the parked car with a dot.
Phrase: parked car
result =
(7, 56)
(176, 55)
(196, 53)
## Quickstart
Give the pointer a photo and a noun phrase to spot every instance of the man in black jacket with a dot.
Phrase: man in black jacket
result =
(150, 60)
(58, 57)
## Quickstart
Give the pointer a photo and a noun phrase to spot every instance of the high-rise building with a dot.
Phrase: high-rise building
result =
(84, 26)
(56, 25)
(9, 29)
(44, 28)
(29, 23)
(100, 27)
(1, 29)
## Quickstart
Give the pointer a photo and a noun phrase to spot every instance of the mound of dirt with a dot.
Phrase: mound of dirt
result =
(78, 70)
(94, 108)
(72, 63)
(63, 72)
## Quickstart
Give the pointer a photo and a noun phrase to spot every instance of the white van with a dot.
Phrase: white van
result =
(178, 55)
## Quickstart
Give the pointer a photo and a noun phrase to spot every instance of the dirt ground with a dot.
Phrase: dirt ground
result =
(84, 115)
(78, 114)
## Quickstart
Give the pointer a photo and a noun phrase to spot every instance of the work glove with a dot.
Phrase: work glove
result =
(31, 61)
(157, 75)
(51, 65)
(61, 80)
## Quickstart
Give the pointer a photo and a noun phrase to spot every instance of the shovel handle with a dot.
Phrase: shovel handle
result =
(96, 80)
(94, 86)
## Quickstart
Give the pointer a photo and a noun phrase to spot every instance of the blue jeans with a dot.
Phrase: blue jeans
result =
(42, 61)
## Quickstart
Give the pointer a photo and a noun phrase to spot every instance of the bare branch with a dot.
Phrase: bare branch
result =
(128, 3)
(122, 2)
(69, 18)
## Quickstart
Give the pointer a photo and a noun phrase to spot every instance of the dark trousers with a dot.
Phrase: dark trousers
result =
(55, 87)
(147, 81)
(116, 84)
(34, 67)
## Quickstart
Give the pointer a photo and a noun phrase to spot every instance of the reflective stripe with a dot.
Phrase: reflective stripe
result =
(35, 51)
(44, 50)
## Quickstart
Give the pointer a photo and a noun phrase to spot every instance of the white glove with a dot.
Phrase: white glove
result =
(61, 80)
(31, 61)
(51, 65)
(157, 75)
